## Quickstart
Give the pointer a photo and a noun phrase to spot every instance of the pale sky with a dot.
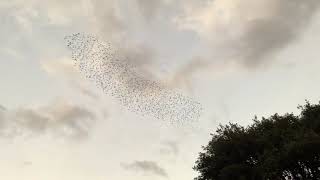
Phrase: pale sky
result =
(238, 58)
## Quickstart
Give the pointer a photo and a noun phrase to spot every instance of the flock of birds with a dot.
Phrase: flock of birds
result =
(116, 76)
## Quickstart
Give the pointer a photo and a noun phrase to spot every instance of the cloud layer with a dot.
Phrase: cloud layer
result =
(243, 32)
(233, 33)
(60, 118)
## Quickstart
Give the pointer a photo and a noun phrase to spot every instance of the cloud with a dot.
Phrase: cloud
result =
(61, 67)
(146, 167)
(60, 118)
(112, 22)
(86, 91)
(107, 20)
(65, 68)
(2, 115)
(244, 32)
(236, 33)
(151, 10)
(2, 108)
(249, 31)
(170, 147)
(27, 163)
(183, 75)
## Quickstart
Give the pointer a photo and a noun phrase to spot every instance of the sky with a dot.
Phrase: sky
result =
(238, 58)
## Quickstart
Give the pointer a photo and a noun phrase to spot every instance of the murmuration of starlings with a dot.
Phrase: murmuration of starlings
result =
(116, 76)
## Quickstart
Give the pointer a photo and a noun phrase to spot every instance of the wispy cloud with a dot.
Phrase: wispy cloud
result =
(61, 67)
(146, 167)
(2, 108)
(60, 118)
(65, 69)
(170, 147)
(249, 31)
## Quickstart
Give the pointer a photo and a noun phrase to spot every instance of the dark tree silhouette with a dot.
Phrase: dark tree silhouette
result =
(278, 147)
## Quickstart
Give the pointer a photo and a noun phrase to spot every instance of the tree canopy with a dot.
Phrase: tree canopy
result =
(279, 147)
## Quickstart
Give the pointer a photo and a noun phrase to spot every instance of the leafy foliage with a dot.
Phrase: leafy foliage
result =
(278, 147)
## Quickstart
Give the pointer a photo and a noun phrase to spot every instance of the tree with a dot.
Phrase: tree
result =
(278, 147)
